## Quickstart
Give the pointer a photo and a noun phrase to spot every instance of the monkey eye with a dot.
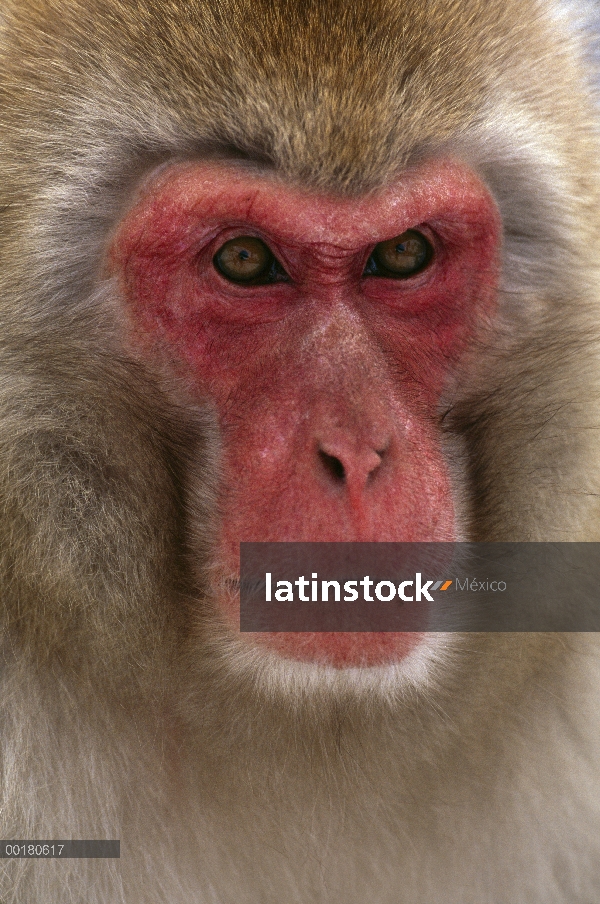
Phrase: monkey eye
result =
(248, 260)
(401, 256)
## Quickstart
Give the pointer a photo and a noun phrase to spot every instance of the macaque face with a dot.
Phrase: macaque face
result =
(324, 331)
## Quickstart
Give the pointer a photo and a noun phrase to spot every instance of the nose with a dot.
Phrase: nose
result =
(347, 462)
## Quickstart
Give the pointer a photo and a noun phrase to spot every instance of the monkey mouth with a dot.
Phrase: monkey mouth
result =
(339, 649)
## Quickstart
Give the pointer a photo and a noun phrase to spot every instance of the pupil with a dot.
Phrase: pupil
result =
(244, 255)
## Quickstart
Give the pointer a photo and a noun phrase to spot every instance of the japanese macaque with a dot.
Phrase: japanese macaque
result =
(281, 271)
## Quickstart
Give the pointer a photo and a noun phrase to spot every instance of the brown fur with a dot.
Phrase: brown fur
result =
(126, 711)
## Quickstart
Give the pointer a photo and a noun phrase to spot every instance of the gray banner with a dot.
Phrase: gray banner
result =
(420, 587)
(58, 850)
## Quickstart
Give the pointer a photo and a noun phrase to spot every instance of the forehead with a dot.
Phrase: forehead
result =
(333, 95)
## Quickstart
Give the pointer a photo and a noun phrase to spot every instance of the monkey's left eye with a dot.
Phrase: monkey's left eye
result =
(400, 257)
(248, 260)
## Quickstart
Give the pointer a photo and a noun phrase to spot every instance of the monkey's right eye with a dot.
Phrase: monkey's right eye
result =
(248, 260)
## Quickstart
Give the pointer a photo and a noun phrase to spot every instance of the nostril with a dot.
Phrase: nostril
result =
(333, 466)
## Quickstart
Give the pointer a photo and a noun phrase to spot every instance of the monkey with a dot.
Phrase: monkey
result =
(287, 272)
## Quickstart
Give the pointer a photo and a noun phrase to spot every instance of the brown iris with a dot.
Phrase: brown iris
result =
(245, 260)
(401, 256)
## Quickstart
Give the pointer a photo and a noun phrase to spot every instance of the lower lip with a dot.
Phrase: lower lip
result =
(340, 649)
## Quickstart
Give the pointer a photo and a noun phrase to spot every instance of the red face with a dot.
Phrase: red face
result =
(324, 330)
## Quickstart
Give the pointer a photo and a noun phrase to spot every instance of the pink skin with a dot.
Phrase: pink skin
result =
(331, 361)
